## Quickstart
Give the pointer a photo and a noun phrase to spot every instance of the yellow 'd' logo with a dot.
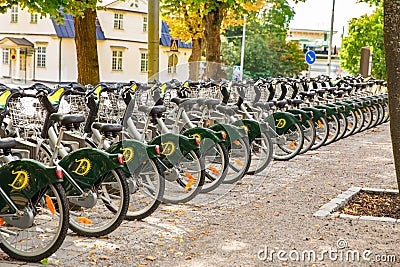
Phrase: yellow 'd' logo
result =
(168, 148)
(127, 153)
(83, 167)
(280, 123)
(21, 180)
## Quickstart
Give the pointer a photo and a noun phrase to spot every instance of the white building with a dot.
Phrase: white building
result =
(34, 48)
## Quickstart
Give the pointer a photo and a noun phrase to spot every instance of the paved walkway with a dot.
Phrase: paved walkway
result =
(261, 216)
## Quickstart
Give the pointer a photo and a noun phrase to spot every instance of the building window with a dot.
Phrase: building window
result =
(116, 60)
(144, 24)
(6, 55)
(14, 14)
(118, 21)
(144, 62)
(41, 56)
(34, 18)
(172, 62)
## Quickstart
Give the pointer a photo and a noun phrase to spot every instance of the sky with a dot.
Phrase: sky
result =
(316, 14)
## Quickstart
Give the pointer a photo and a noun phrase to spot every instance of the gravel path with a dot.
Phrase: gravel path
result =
(264, 213)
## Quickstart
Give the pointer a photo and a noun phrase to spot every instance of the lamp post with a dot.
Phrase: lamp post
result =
(330, 39)
(243, 45)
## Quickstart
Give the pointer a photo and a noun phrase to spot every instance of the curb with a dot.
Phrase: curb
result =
(329, 209)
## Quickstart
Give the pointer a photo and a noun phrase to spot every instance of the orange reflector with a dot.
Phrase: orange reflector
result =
(214, 170)
(191, 181)
(50, 205)
(320, 124)
(84, 220)
(238, 162)
(236, 142)
(331, 135)
(1, 222)
(292, 145)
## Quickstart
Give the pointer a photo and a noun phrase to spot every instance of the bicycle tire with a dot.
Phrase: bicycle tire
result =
(263, 143)
(60, 202)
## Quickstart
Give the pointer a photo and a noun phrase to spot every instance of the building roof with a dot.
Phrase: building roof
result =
(18, 41)
(67, 30)
(165, 38)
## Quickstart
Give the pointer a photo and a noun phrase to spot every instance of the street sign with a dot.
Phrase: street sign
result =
(237, 73)
(310, 57)
(174, 45)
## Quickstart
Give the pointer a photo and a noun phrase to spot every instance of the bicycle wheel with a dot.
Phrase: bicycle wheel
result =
(48, 231)
(146, 188)
(351, 123)
(368, 118)
(386, 112)
(381, 108)
(239, 160)
(110, 210)
(184, 181)
(322, 132)
(334, 129)
(261, 154)
(360, 120)
(309, 136)
(290, 143)
(343, 125)
(375, 115)
(215, 156)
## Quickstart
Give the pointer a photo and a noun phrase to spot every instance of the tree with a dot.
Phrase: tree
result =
(365, 31)
(392, 52)
(267, 54)
(186, 23)
(203, 21)
(86, 47)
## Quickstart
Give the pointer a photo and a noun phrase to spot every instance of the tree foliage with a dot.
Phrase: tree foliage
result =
(267, 54)
(365, 31)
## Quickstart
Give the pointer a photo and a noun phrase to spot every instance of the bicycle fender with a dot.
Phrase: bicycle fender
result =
(254, 128)
(329, 110)
(86, 166)
(135, 153)
(305, 115)
(317, 112)
(21, 180)
(282, 121)
(232, 132)
(173, 147)
(200, 133)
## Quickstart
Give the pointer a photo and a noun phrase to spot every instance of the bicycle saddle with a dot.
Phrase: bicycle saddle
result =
(65, 119)
(152, 110)
(7, 143)
(107, 127)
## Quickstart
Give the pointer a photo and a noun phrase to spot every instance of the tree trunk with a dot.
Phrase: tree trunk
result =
(86, 48)
(212, 29)
(195, 58)
(392, 54)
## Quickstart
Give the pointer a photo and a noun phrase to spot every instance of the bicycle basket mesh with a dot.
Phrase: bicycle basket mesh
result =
(111, 108)
(27, 116)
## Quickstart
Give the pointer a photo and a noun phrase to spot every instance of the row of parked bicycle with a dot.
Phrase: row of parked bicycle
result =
(88, 157)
